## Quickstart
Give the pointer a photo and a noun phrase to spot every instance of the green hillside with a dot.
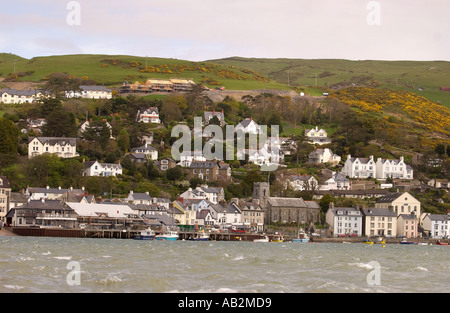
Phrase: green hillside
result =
(428, 76)
(422, 77)
(113, 70)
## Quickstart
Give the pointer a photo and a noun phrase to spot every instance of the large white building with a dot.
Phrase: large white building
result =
(345, 221)
(13, 96)
(355, 167)
(393, 168)
(359, 167)
(90, 92)
(63, 147)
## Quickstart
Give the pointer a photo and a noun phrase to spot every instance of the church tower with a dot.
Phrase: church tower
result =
(261, 192)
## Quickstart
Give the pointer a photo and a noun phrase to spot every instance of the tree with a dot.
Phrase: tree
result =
(123, 140)
(174, 173)
(324, 203)
(9, 134)
(98, 132)
(60, 124)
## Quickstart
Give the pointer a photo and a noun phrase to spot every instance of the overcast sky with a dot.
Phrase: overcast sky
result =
(207, 29)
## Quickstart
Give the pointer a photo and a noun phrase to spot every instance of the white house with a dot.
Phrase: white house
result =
(150, 115)
(319, 156)
(317, 136)
(150, 152)
(226, 216)
(438, 225)
(345, 221)
(393, 168)
(248, 126)
(264, 156)
(63, 147)
(187, 157)
(303, 182)
(212, 194)
(14, 96)
(337, 182)
(400, 203)
(38, 193)
(95, 168)
(359, 167)
(139, 198)
(90, 92)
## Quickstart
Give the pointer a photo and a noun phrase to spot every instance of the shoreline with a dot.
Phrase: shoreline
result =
(7, 233)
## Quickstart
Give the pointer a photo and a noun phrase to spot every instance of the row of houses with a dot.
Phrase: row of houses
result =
(14, 96)
(394, 215)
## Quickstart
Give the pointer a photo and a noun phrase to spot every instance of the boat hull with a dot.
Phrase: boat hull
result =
(143, 237)
(166, 238)
(304, 240)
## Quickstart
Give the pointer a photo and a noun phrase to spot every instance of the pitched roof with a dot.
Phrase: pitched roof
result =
(202, 164)
(54, 140)
(379, 212)
(287, 202)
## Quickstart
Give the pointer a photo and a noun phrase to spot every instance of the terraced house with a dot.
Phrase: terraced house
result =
(63, 147)
(13, 96)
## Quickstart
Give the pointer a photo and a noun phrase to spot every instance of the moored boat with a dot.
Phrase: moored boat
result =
(265, 239)
(168, 236)
(278, 238)
(405, 242)
(441, 243)
(301, 237)
(146, 234)
(201, 236)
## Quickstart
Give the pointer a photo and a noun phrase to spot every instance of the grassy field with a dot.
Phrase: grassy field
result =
(309, 76)
(113, 70)
(406, 75)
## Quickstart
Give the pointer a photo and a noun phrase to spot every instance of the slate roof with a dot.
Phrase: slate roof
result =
(54, 140)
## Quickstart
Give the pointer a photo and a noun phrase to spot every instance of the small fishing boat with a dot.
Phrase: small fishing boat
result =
(146, 234)
(168, 236)
(441, 243)
(405, 242)
(265, 239)
(201, 236)
(367, 241)
(278, 238)
(301, 237)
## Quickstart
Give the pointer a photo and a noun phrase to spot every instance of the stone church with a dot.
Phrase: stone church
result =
(285, 210)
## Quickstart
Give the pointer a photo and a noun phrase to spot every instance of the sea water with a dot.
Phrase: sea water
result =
(74, 265)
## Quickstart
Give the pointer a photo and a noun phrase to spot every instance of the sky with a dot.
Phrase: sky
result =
(199, 30)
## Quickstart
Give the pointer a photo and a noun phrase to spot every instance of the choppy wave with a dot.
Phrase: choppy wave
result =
(40, 265)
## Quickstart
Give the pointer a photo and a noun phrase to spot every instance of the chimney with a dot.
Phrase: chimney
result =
(234, 200)
(48, 187)
(59, 187)
(331, 205)
(43, 200)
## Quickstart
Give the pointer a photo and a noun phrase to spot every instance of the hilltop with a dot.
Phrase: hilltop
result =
(112, 70)
(302, 75)
(422, 77)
